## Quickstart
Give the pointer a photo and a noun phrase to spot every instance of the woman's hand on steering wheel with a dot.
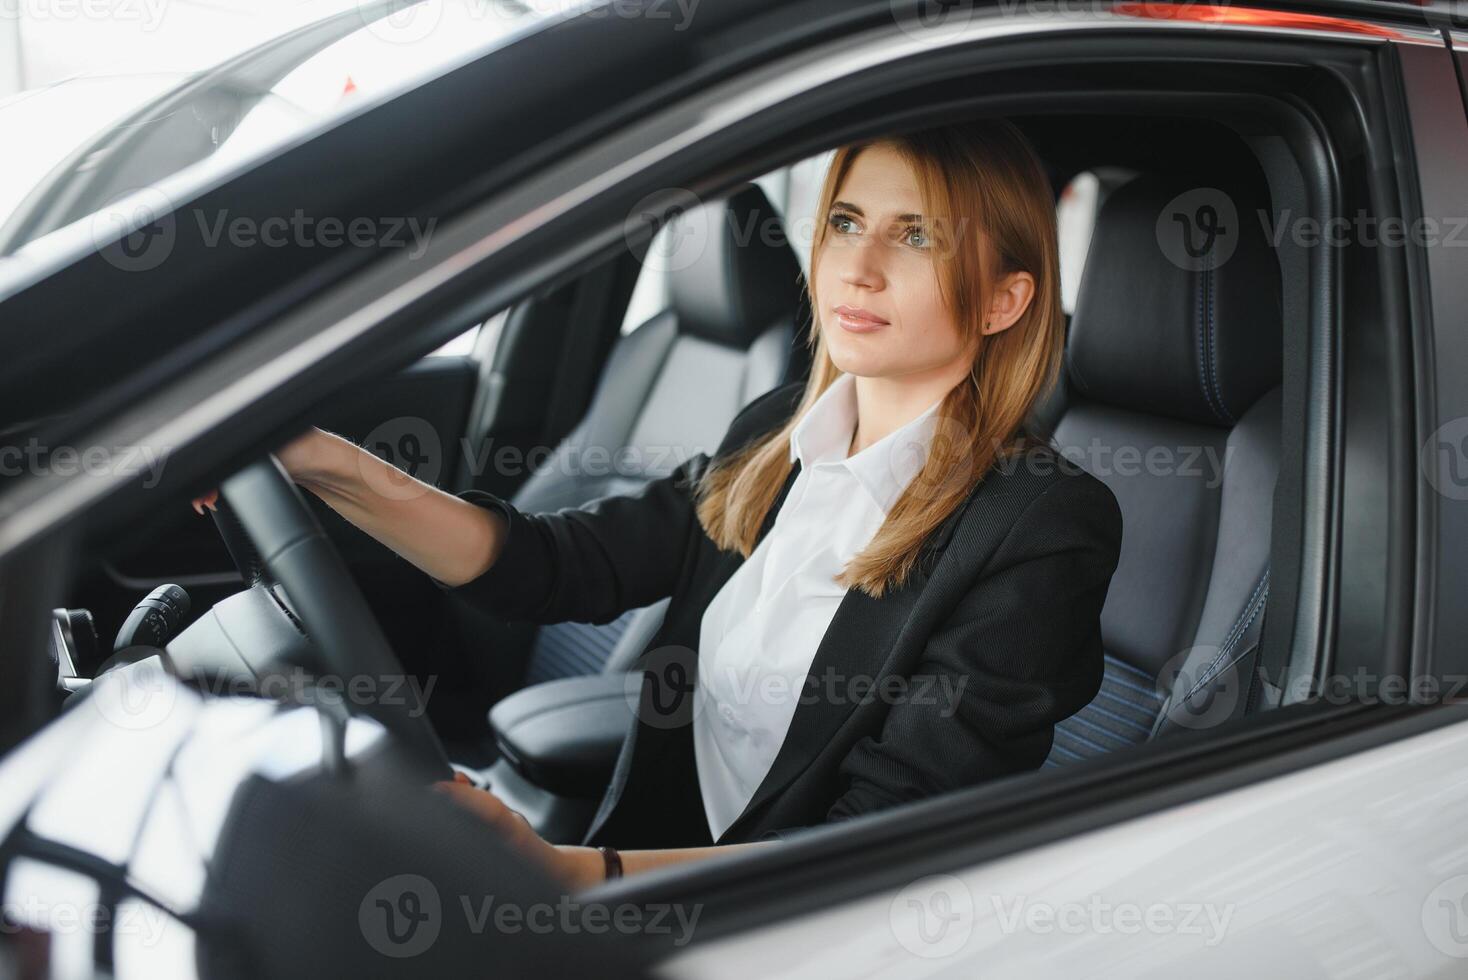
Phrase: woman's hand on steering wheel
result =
(299, 457)
(275, 541)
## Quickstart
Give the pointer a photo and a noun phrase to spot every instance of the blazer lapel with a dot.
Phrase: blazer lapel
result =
(729, 564)
(849, 660)
(851, 653)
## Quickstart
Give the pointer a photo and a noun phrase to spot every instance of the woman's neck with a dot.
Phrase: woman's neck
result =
(886, 404)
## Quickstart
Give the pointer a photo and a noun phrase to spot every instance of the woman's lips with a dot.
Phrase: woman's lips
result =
(858, 320)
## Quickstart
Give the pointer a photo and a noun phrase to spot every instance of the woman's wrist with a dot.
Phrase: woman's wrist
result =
(582, 867)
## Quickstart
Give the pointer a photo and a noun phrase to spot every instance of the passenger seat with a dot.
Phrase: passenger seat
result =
(669, 391)
(1181, 368)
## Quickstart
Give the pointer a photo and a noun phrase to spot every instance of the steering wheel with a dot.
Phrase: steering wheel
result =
(275, 539)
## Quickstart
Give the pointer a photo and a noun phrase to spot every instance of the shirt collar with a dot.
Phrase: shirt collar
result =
(884, 468)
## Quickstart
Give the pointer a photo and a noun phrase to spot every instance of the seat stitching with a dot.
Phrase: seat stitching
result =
(1239, 624)
(1224, 667)
(1198, 342)
(1203, 327)
(1251, 610)
(1205, 309)
(1213, 339)
(1226, 647)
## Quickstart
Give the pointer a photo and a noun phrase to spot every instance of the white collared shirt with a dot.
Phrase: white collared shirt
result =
(759, 635)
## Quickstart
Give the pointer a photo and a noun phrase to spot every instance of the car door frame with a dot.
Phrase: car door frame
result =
(354, 326)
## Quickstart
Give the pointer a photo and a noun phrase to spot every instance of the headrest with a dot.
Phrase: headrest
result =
(1179, 307)
(741, 276)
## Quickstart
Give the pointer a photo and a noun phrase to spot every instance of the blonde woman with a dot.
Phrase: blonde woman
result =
(884, 586)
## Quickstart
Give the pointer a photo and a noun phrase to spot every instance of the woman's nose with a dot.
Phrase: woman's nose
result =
(860, 267)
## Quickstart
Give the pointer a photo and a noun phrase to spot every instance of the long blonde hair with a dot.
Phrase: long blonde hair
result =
(985, 185)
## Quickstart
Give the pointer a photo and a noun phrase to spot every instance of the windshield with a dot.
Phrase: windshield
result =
(157, 90)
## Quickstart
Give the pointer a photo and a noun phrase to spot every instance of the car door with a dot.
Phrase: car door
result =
(1332, 847)
(1348, 475)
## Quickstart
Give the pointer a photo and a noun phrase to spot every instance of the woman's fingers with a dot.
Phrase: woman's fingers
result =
(518, 833)
(295, 456)
(487, 806)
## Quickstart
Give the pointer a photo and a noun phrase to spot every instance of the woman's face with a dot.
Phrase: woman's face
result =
(877, 278)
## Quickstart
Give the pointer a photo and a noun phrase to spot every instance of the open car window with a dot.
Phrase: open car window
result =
(1279, 535)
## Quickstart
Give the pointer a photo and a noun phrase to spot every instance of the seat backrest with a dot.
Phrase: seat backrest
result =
(1171, 396)
(672, 386)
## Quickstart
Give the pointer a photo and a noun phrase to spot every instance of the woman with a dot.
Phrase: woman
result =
(885, 586)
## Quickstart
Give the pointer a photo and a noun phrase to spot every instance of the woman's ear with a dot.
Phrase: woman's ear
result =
(1011, 297)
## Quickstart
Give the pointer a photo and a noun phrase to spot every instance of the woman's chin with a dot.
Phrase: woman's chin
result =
(865, 360)
(871, 367)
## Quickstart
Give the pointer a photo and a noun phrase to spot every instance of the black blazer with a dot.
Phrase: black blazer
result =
(994, 639)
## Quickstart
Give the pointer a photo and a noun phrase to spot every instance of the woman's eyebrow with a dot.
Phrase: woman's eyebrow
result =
(848, 206)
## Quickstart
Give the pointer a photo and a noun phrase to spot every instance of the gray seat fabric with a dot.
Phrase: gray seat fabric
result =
(669, 391)
(1171, 396)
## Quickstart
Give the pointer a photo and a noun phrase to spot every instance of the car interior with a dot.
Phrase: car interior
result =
(1168, 371)
(1194, 572)
(652, 357)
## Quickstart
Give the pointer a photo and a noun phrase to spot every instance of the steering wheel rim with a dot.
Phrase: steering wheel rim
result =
(295, 552)
(237, 542)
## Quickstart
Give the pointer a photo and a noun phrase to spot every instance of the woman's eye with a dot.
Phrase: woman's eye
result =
(840, 222)
(917, 238)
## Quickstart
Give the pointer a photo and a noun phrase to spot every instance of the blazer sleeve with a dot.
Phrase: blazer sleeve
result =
(592, 563)
(1020, 652)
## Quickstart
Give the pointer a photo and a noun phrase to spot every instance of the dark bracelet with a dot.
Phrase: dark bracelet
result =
(613, 862)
